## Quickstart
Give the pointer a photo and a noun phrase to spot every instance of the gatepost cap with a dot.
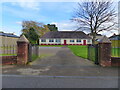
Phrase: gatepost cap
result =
(104, 40)
(23, 39)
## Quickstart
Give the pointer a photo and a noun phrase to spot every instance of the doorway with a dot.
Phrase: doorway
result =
(65, 42)
(84, 42)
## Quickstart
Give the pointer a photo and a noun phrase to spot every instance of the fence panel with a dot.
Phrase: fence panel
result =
(93, 53)
(115, 51)
(8, 50)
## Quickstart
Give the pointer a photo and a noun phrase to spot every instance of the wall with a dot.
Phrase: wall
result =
(8, 60)
(67, 41)
(115, 61)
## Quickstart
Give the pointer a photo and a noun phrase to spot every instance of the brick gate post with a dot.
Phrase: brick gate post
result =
(104, 52)
(22, 50)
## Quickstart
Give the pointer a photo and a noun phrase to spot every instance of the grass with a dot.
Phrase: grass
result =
(115, 52)
(34, 57)
(51, 45)
(80, 51)
(8, 54)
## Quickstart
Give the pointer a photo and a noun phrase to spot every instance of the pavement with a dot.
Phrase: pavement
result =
(60, 68)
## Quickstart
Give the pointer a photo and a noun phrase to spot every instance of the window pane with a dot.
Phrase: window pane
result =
(88, 40)
(78, 40)
(43, 40)
(71, 40)
(57, 40)
(51, 40)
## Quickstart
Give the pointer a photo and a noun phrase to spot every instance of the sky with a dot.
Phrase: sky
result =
(59, 13)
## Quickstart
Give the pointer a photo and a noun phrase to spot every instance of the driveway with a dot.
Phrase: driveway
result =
(58, 67)
(60, 61)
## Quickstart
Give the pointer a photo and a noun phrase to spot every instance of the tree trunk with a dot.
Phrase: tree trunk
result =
(94, 37)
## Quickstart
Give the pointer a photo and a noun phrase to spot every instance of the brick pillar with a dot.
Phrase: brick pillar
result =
(22, 53)
(105, 52)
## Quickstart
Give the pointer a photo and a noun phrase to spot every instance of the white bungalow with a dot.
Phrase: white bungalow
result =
(65, 38)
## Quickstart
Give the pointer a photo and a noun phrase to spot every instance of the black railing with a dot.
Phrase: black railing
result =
(33, 52)
(93, 53)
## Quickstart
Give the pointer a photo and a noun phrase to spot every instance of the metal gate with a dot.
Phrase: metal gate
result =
(33, 52)
(93, 53)
(29, 52)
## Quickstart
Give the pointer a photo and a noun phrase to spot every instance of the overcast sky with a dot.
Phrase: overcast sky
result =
(59, 13)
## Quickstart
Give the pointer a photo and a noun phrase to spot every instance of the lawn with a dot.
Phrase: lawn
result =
(8, 54)
(81, 51)
(51, 45)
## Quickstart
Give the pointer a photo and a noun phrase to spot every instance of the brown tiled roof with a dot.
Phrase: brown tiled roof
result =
(66, 34)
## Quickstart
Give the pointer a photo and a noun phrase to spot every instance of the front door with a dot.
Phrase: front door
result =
(65, 42)
(84, 42)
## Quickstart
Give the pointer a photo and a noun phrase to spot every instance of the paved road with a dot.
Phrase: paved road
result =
(70, 70)
(58, 82)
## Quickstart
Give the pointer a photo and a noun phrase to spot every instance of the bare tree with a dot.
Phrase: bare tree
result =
(95, 16)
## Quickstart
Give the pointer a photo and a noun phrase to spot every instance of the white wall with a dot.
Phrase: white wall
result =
(67, 41)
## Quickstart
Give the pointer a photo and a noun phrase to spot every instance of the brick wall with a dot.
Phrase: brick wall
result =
(5, 60)
(115, 61)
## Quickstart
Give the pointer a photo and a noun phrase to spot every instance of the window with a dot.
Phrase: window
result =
(78, 40)
(51, 40)
(43, 40)
(88, 40)
(71, 40)
(57, 40)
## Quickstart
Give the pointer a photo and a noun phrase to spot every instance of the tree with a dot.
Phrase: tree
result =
(39, 28)
(95, 16)
(32, 36)
(33, 30)
(52, 27)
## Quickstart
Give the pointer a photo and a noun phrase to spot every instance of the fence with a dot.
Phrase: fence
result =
(8, 50)
(33, 52)
(115, 51)
(115, 48)
(93, 53)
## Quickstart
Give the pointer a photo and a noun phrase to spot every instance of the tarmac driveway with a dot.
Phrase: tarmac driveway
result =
(60, 61)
